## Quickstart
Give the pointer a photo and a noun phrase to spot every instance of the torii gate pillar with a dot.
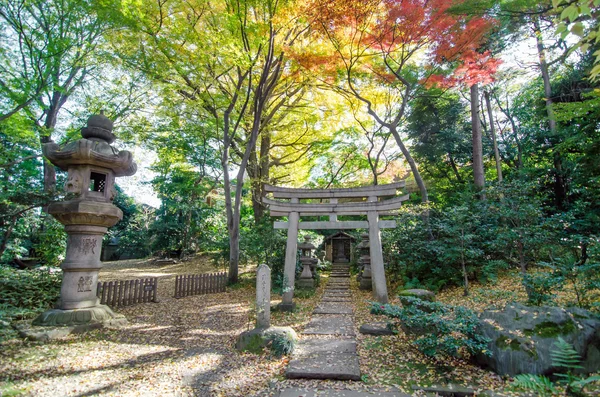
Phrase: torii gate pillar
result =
(289, 270)
(377, 268)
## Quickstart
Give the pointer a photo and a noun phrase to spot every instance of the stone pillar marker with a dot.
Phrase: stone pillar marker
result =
(92, 165)
(256, 339)
(263, 296)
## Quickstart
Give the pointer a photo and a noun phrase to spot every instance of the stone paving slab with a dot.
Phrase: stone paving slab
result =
(337, 294)
(301, 392)
(341, 366)
(333, 308)
(330, 324)
(313, 346)
(344, 299)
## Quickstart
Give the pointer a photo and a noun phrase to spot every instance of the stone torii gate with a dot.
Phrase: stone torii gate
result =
(372, 201)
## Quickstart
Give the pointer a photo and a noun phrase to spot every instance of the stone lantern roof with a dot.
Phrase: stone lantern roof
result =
(93, 149)
(364, 243)
(306, 245)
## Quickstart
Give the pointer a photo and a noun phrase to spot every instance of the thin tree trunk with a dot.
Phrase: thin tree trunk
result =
(462, 259)
(478, 173)
(515, 131)
(7, 235)
(493, 133)
(411, 163)
(455, 168)
(559, 182)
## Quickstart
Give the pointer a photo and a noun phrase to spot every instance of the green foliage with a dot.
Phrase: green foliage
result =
(540, 287)
(564, 356)
(281, 345)
(26, 293)
(538, 384)
(566, 360)
(585, 280)
(50, 243)
(440, 329)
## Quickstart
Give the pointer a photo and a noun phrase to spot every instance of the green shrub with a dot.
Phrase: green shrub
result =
(539, 287)
(440, 329)
(25, 293)
(282, 345)
(566, 360)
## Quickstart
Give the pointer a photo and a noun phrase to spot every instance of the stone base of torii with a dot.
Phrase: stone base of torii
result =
(370, 201)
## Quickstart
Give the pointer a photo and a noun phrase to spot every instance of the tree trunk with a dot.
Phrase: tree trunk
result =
(258, 170)
(493, 133)
(411, 163)
(455, 168)
(559, 182)
(462, 260)
(7, 235)
(46, 137)
(478, 173)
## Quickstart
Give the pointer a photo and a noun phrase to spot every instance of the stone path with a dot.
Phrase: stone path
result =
(328, 349)
(299, 392)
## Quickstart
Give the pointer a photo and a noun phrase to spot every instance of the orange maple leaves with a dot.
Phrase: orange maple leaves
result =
(401, 31)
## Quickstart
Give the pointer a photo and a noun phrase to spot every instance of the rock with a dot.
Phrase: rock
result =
(523, 337)
(255, 340)
(376, 329)
(446, 391)
(422, 294)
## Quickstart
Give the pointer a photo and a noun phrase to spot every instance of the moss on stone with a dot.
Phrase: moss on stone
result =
(503, 343)
(255, 344)
(548, 329)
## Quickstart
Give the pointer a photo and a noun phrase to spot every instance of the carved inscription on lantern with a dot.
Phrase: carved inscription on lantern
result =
(85, 284)
(87, 245)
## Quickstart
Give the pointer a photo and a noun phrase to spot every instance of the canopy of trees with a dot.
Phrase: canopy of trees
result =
(501, 153)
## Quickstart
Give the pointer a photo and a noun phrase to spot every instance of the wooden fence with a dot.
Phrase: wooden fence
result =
(200, 284)
(127, 292)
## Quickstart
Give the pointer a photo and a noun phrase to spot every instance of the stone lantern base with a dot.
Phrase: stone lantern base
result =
(57, 323)
(89, 315)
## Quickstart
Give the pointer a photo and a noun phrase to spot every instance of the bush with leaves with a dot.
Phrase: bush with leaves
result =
(281, 345)
(25, 293)
(540, 287)
(440, 329)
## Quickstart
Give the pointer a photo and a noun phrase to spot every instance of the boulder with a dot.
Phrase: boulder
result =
(256, 339)
(422, 294)
(522, 338)
(379, 329)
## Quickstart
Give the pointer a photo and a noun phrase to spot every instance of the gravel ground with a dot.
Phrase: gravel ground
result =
(177, 347)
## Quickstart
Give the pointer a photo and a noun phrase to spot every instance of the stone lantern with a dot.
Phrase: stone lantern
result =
(87, 212)
(306, 278)
(365, 261)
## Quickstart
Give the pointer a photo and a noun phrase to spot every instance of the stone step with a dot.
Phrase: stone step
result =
(344, 299)
(337, 293)
(339, 366)
(333, 308)
(295, 392)
(310, 346)
(330, 324)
